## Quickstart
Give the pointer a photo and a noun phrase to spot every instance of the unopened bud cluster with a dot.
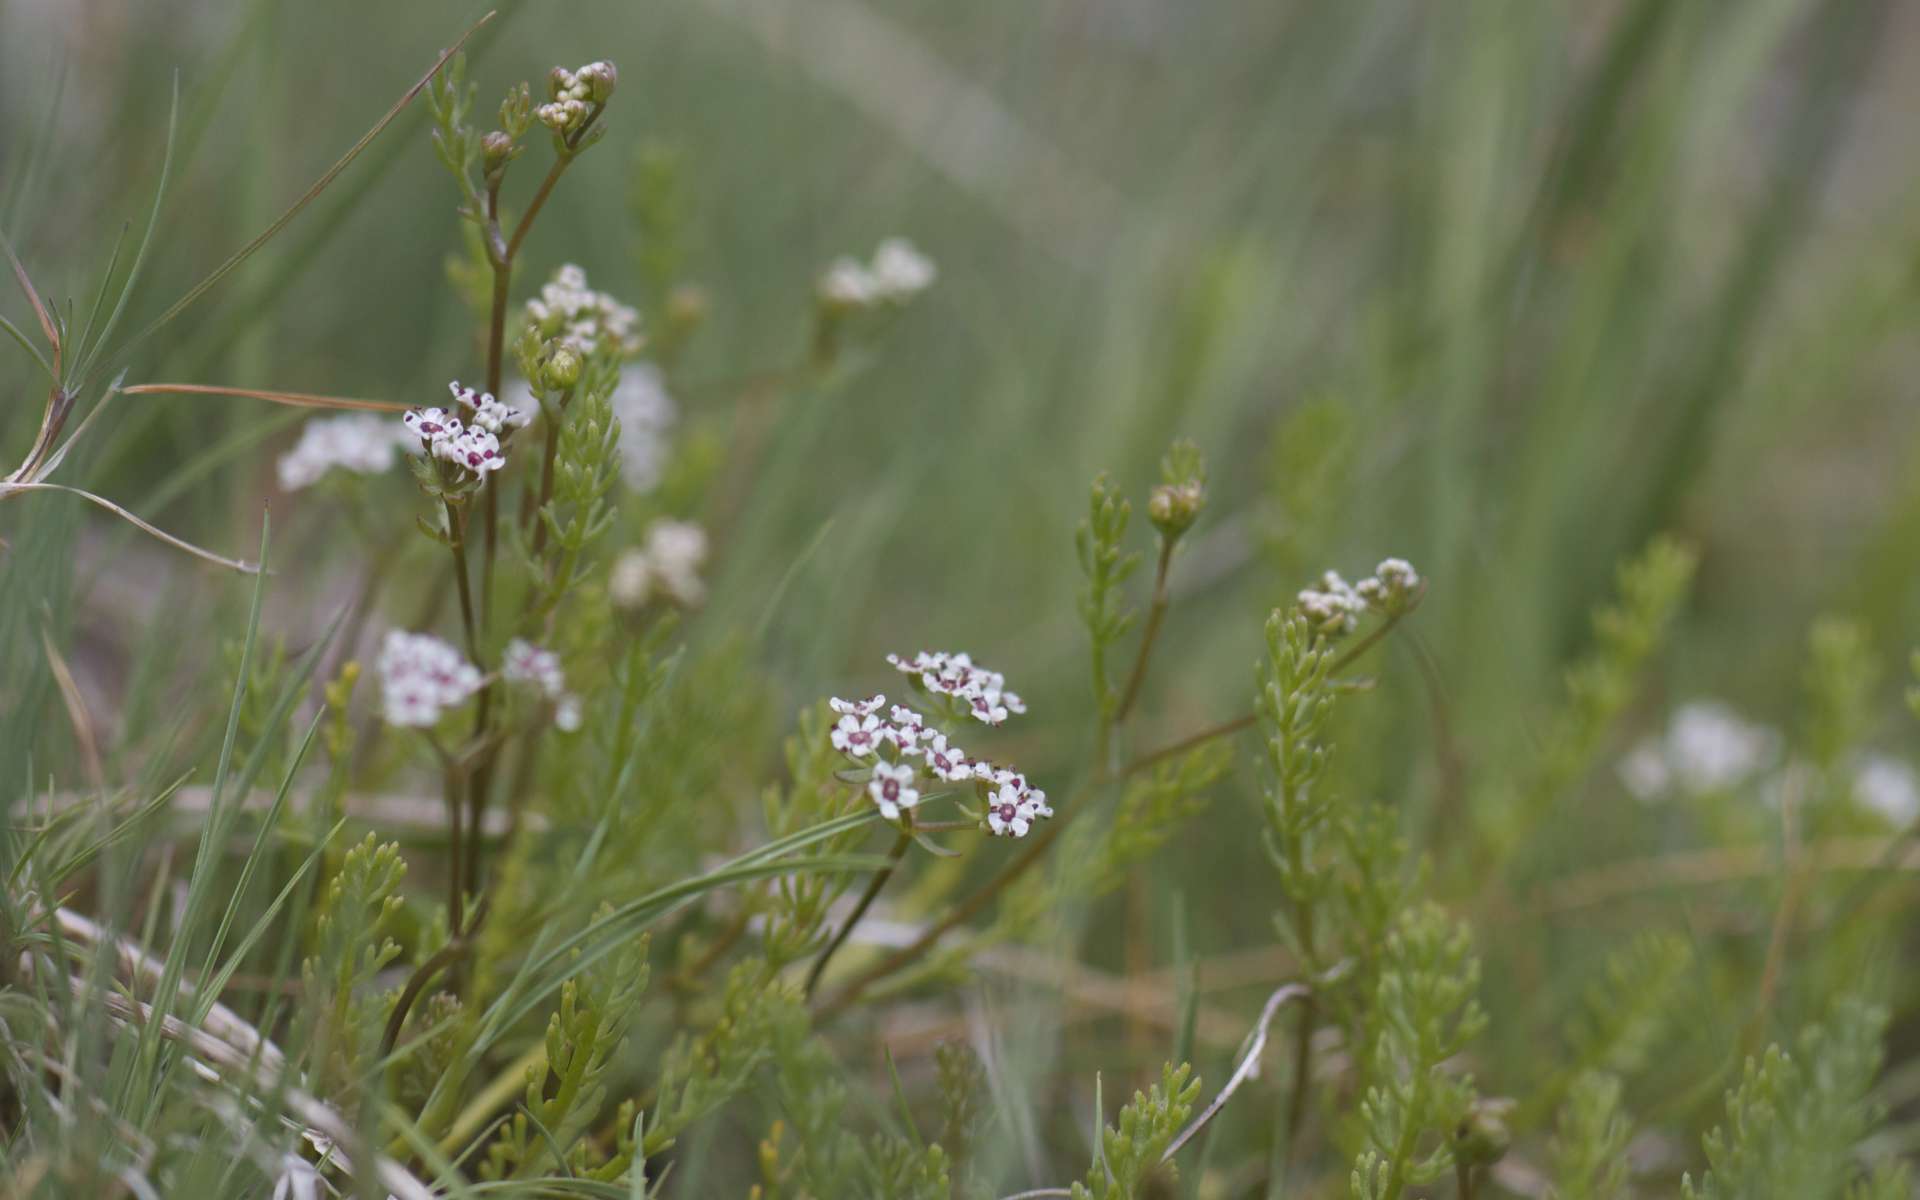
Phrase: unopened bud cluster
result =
(568, 309)
(899, 272)
(1335, 606)
(575, 95)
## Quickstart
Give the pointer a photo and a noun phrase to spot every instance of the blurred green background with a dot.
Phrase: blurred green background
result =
(1504, 287)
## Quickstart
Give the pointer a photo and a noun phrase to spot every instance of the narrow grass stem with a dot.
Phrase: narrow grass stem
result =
(867, 898)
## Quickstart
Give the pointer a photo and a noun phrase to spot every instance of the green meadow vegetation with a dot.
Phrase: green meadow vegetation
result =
(881, 598)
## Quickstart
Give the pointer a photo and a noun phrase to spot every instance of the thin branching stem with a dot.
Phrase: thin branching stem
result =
(1156, 614)
(867, 898)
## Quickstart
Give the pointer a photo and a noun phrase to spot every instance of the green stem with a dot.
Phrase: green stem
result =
(867, 898)
(1156, 613)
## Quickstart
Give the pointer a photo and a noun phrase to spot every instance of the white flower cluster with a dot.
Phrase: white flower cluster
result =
(980, 693)
(898, 274)
(486, 413)
(1335, 606)
(421, 677)
(567, 307)
(646, 414)
(358, 442)
(575, 93)
(539, 667)
(902, 745)
(474, 448)
(667, 564)
(1708, 747)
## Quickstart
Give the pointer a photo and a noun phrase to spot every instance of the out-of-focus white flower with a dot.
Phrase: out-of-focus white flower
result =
(1707, 747)
(1711, 747)
(297, 1180)
(525, 662)
(1392, 584)
(421, 677)
(892, 789)
(357, 442)
(1888, 786)
(899, 273)
(567, 308)
(486, 413)
(667, 564)
(566, 713)
(646, 414)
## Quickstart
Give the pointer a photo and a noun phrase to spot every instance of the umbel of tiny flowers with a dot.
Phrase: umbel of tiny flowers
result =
(577, 97)
(899, 272)
(421, 677)
(1336, 606)
(357, 442)
(667, 566)
(567, 309)
(526, 663)
(965, 688)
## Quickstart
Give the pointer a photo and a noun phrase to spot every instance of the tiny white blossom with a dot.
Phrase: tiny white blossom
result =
(1009, 814)
(948, 762)
(475, 449)
(856, 737)
(421, 677)
(1888, 786)
(668, 563)
(431, 425)
(892, 789)
(487, 413)
(646, 414)
(1334, 606)
(357, 442)
(847, 283)
(859, 708)
(527, 663)
(900, 271)
(567, 308)
(1707, 747)
(566, 713)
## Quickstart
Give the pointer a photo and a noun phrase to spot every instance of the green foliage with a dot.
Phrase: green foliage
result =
(1425, 1013)
(1128, 1159)
(701, 1072)
(1795, 1119)
(1106, 565)
(1623, 1016)
(1590, 1141)
(1841, 677)
(351, 947)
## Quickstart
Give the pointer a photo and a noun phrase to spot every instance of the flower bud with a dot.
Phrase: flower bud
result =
(1174, 507)
(563, 369)
(1483, 1137)
(559, 80)
(600, 79)
(687, 308)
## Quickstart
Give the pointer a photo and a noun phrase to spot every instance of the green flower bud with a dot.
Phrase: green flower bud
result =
(1173, 508)
(563, 369)
(1483, 1137)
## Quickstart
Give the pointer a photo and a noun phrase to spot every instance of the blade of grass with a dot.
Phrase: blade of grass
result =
(291, 399)
(247, 251)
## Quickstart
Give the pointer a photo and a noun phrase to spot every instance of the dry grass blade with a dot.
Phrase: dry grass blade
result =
(39, 310)
(291, 399)
(235, 564)
(77, 716)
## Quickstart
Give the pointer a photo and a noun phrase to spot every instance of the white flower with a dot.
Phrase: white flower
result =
(422, 676)
(1707, 747)
(980, 691)
(487, 413)
(900, 271)
(1888, 786)
(1390, 586)
(859, 708)
(431, 426)
(948, 762)
(987, 707)
(1334, 607)
(358, 442)
(567, 307)
(646, 413)
(1712, 748)
(669, 562)
(856, 737)
(847, 283)
(892, 789)
(1009, 814)
(528, 663)
(566, 713)
(475, 449)
(1037, 800)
